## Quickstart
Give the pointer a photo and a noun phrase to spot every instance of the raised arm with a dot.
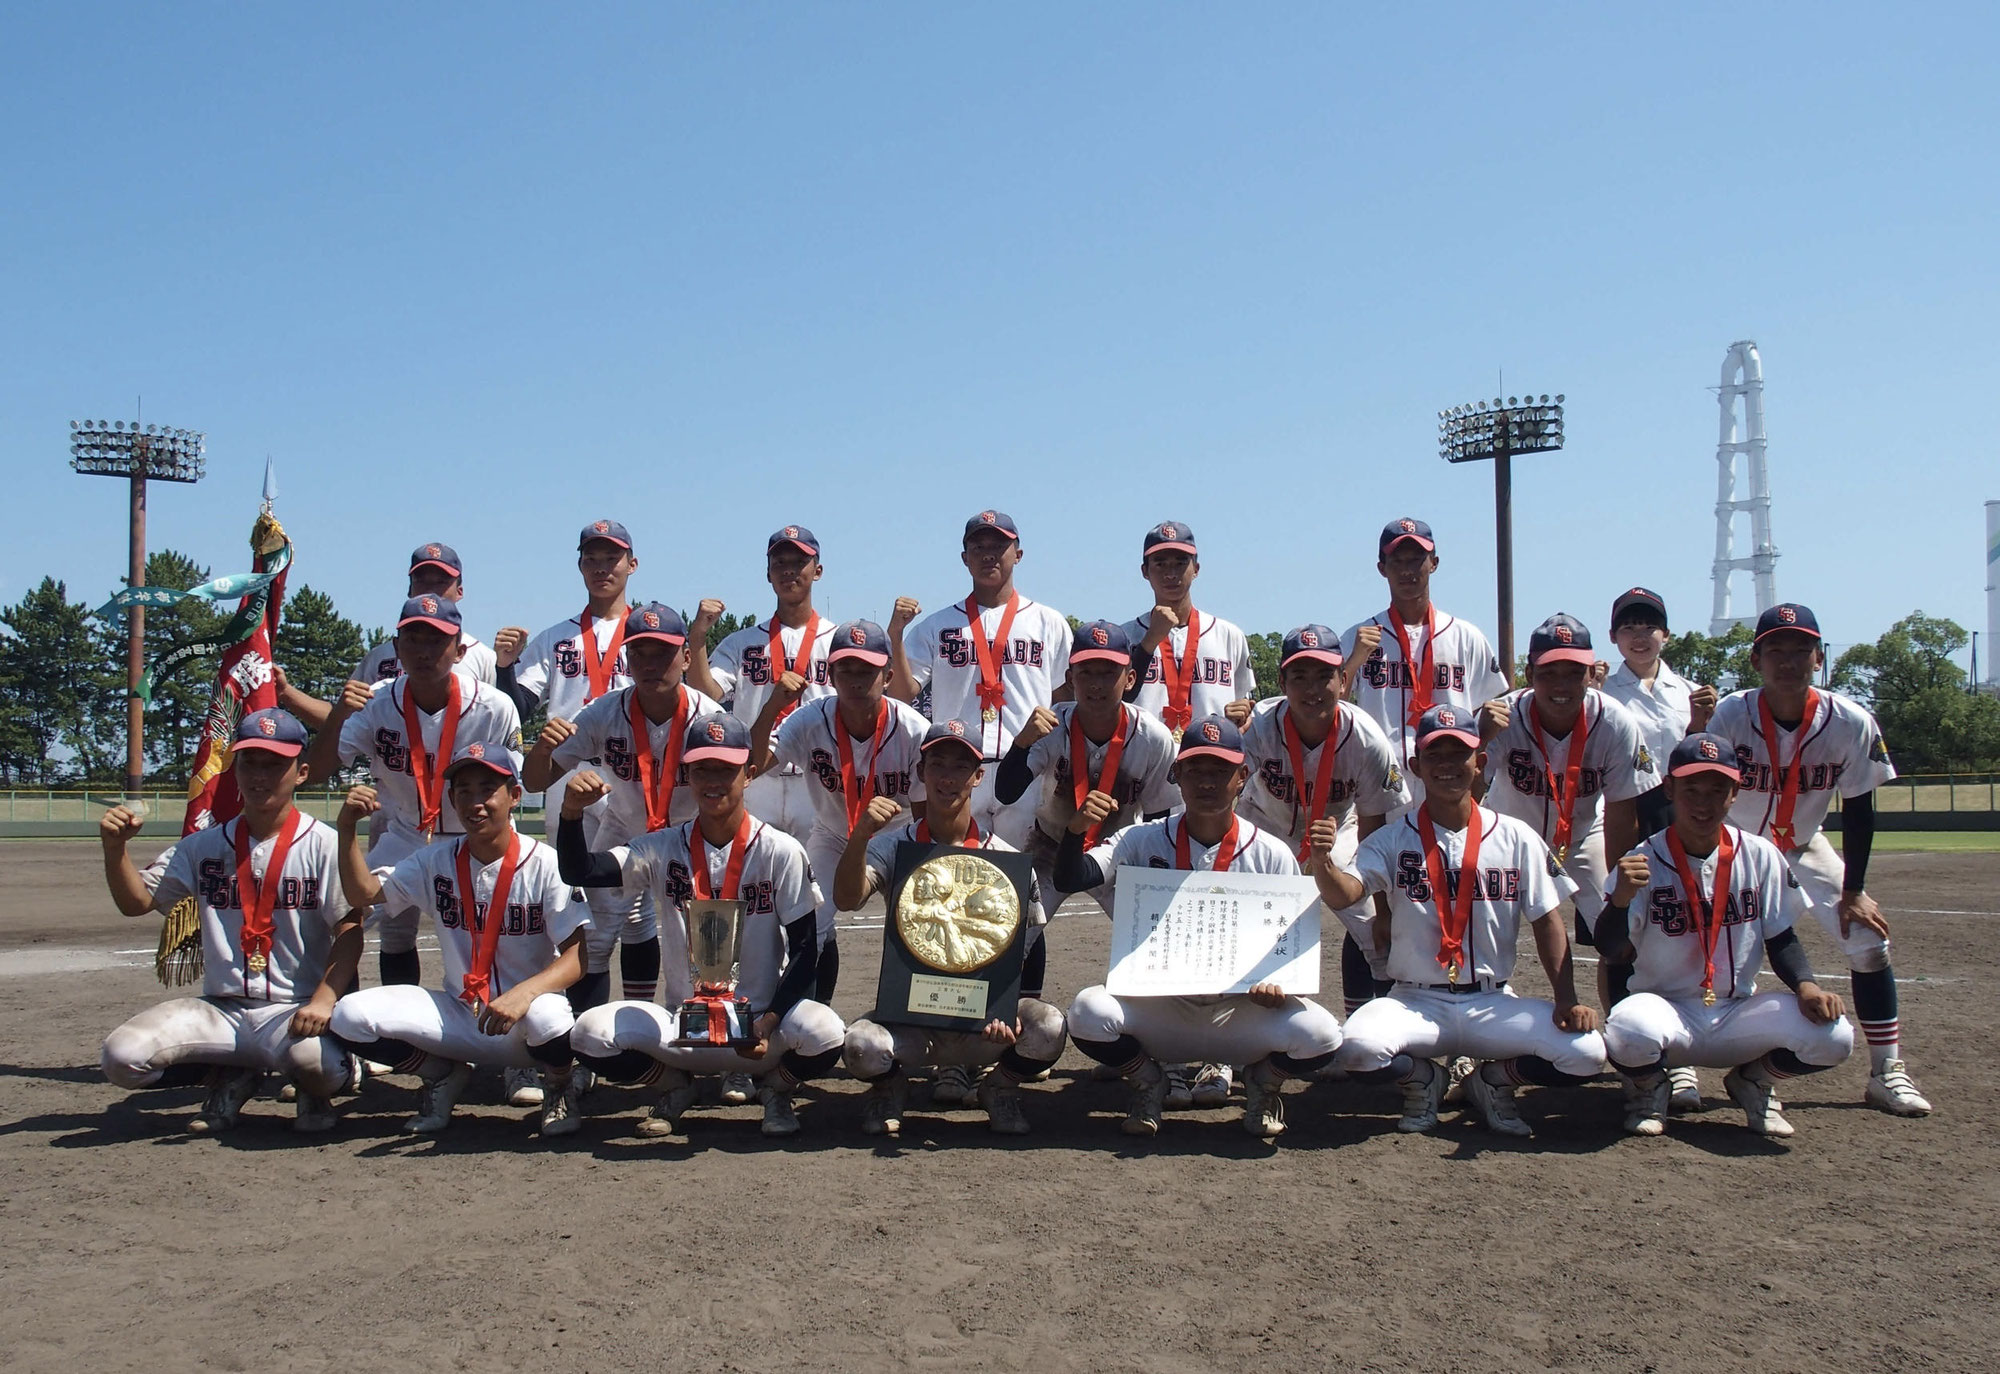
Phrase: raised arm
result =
(323, 757)
(129, 892)
(362, 888)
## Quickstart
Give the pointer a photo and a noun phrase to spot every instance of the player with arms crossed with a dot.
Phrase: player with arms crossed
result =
(1460, 879)
(277, 942)
(989, 660)
(787, 651)
(725, 854)
(1717, 901)
(1019, 1048)
(1188, 663)
(511, 938)
(1277, 1035)
(1796, 747)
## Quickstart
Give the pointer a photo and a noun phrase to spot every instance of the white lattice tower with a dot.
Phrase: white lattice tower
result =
(1742, 399)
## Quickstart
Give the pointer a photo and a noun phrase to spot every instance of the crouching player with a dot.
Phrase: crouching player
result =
(724, 854)
(276, 941)
(1717, 901)
(950, 769)
(511, 938)
(1460, 879)
(1277, 1035)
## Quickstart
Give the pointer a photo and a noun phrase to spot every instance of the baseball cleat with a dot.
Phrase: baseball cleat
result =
(1646, 1100)
(1684, 1089)
(228, 1090)
(435, 1099)
(1149, 1099)
(737, 1089)
(1211, 1086)
(1002, 1101)
(882, 1110)
(1456, 1073)
(1423, 1094)
(779, 1118)
(955, 1087)
(315, 1114)
(678, 1093)
(356, 1076)
(523, 1087)
(562, 1104)
(1179, 1090)
(1752, 1092)
(1495, 1104)
(1264, 1102)
(1895, 1092)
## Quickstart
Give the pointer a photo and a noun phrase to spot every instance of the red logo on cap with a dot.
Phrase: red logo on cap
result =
(433, 551)
(1788, 615)
(1445, 716)
(1564, 635)
(651, 619)
(856, 635)
(957, 727)
(715, 732)
(430, 604)
(987, 517)
(1099, 635)
(1708, 750)
(1169, 532)
(1408, 526)
(475, 750)
(1308, 639)
(1211, 732)
(1638, 591)
(267, 726)
(791, 531)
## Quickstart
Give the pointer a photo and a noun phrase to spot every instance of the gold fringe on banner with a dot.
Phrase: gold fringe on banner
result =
(177, 962)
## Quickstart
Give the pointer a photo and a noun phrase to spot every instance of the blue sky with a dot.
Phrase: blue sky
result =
(481, 274)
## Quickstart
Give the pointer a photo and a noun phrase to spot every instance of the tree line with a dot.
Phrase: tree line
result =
(63, 692)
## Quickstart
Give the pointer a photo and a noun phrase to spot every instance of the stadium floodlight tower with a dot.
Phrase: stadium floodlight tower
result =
(112, 448)
(1472, 433)
(1742, 399)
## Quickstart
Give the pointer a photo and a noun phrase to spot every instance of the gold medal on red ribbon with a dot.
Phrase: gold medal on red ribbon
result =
(1708, 997)
(256, 963)
(989, 715)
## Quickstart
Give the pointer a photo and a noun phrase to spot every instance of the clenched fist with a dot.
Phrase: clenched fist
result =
(1162, 623)
(1097, 808)
(354, 696)
(905, 610)
(878, 813)
(1367, 640)
(119, 825)
(554, 731)
(585, 789)
(1633, 875)
(1493, 718)
(507, 646)
(705, 615)
(1041, 722)
(360, 801)
(1238, 712)
(1701, 705)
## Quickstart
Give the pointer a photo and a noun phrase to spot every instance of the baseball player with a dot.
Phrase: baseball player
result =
(1276, 1035)
(1189, 663)
(852, 747)
(1311, 758)
(1667, 706)
(1796, 747)
(725, 854)
(1460, 880)
(632, 737)
(1718, 899)
(789, 649)
(410, 727)
(1413, 656)
(989, 660)
(512, 941)
(1019, 1048)
(277, 942)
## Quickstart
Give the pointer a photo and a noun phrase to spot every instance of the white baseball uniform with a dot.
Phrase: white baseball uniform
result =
(1518, 883)
(776, 887)
(552, 666)
(1465, 672)
(1663, 708)
(380, 662)
(1216, 1029)
(242, 1018)
(1144, 786)
(742, 668)
(1617, 765)
(1664, 1019)
(1221, 668)
(540, 916)
(1843, 754)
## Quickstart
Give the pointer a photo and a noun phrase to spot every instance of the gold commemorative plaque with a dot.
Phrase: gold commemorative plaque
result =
(958, 912)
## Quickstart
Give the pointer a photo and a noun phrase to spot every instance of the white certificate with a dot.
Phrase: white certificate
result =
(1176, 933)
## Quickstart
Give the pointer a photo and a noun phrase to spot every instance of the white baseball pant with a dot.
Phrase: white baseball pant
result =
(872, 1049)
(1206, 1030)
(1428, 1024)
(221, 1030)
(1821, 871)
(809, 1028)
(617, 915)
(397, 929)
(440, 1024)
(784, 800)
(1647, 1029)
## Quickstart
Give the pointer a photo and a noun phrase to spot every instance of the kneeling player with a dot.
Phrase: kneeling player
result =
(725, 854)
(1717, 900)
(1277, 1035)
(950, 770)
(276, 941)
(1460, 879)
(512, 941)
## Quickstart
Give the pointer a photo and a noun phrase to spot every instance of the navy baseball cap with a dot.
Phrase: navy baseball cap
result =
(952, 732)
(1169, 536)
(435, 556)
(604, 529)
(717, 735)
(480, 755)
(1101, 641)
(862, 639)
(992, 520)
(438, 612)
(1214, 737)
(273, 730)
(1313, 642)
(798, 536)
(1561, 639)
(1703, 753)
(1448, 722)
(1640, 604)
(1396, 531)
(1787, 615)
(655, 621)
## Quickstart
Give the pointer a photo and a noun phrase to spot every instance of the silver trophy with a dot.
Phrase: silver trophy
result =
(716, 1015)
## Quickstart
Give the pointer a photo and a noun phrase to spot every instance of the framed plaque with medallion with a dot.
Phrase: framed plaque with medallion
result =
(956, 931)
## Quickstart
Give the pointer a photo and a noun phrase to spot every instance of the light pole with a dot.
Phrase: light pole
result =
(1470, 433)
(111, 448)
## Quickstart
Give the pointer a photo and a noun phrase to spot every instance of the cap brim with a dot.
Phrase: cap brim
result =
(1097, 655)
(1584, 656)
(1427, 545)
(664, 636)
(1172, 546)
(1808, 632)
(720, 753)
(1211, 751)
(269, 746)
(444, 625)
(1331, 656)
(434, 563)
(502, 770)
(1728, 770)
(965, 742)
(868, 656)
(606, 538)
(808, 550)
(1467, 737)
(971, 530)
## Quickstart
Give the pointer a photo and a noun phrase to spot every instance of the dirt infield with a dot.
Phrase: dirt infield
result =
(1866, 1242)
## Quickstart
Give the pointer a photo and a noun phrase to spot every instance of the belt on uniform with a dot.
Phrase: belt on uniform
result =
(1456, 989)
